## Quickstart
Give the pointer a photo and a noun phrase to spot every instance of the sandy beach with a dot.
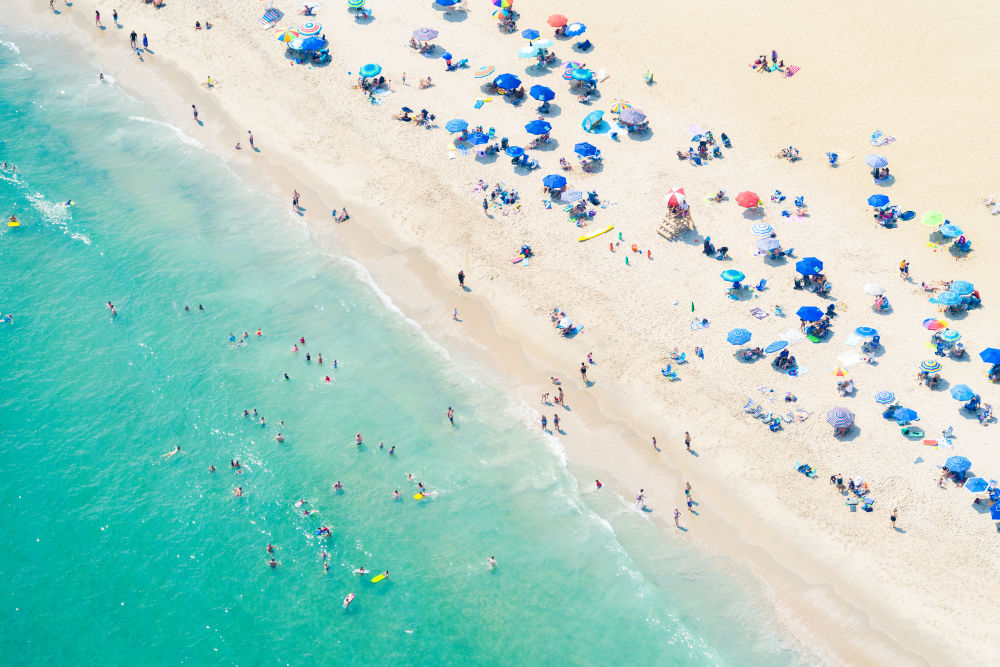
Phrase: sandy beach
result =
(850, 587)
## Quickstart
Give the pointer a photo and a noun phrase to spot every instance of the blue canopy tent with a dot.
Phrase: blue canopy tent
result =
(592, 121)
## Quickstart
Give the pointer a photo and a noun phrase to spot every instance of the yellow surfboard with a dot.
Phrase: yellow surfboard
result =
(377, 578)
(418, 496)
(585, 237)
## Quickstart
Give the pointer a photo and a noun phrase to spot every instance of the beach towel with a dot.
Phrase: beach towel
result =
(758, 313)
(270, 16)
(697, 324)
(792, 69)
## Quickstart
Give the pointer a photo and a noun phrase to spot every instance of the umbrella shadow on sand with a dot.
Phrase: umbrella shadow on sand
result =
(645, 135)
(853, 434)
(450, 14)
(549, 145)
(755, 213)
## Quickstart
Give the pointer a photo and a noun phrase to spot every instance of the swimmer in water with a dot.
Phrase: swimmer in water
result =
(273, 563)
(101, 77)
(338, 486)
(326, 566)
(308, 358)
(328, 379)
(171, 454)
(270, 548)
(357, 439)
(246, 413)
(395, 494)
(259, 333)
(295, 349)
(238, 491)
(392, 450)
(302, 340)
(381, 445)
(211, 468)
(492, 562)
(420, 485)
(334, 364)
(286, 376)
(319, 357)
(451, 415)
(409, 476)
(279, 437)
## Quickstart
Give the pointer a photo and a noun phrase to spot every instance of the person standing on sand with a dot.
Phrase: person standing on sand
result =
(545, 422)
(132, 37)
(97, 18)
(892, 517)
(677, 518)
(687, 441)
(250, 135)
(461, 278)
(654, 444)
(295, 200)
(904, 269)
(194, 110)
(555, 421)
(454, 314)
(145, 41)
(583, 371)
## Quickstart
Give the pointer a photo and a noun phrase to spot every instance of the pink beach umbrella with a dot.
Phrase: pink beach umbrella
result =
(310, 29)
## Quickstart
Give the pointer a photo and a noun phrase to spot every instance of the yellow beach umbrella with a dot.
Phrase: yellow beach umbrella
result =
(617, 106)
(840, 372)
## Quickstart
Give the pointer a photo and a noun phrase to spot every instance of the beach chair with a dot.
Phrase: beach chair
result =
(767, 417)
(270, 17)
(669, 374)
(756, 412)
(761, 285)
(788, 419)
(775, 425)
(749, 406)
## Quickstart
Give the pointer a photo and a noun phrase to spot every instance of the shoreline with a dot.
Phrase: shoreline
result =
(804, 590)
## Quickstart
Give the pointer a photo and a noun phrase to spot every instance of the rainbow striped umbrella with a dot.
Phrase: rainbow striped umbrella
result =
(287, 35)
(483, 71)
(617, 106)
(355, 4)
(934, 324)
(930, 365)
(310, 29)
(501, 14)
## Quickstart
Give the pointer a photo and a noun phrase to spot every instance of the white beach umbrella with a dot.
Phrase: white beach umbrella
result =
(875, 289)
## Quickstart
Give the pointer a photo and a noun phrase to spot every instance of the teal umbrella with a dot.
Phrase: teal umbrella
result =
(732, 275)
(369, 70)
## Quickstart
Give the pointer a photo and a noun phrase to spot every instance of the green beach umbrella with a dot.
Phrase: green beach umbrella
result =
(932, 218)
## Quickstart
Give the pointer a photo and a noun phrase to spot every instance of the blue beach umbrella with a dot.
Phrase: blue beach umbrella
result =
(951, 336)
(456, 125)
(995, 511)
(962, 287)
(809, 313)
(592, 120)
(976, 485)
(958, 464)
(902, 415)
(990, 355)
(478, 138)
(948, 299)
(554, 181)
(574, 29)
(840, 417)
(507, 81)
(542, 93)
(538, 127)
(582, 74)
(739, 336)
(876, 161)
(447, 3)
(885, 397)
(732, 276)
(961, 392)
(530, 34)
(878, 200)
(950, 231)
(446, 55)
(866, 332)
(315, 44)
(762, 229)
(775, 346)
(809, 266)
(585, 149)
(371, 69)
(514, 151)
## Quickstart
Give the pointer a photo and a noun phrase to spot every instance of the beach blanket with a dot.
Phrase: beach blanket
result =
(697, 324)
(791, 70)
(758, 313)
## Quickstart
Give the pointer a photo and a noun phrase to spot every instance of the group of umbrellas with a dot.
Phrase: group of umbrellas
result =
(304, 38)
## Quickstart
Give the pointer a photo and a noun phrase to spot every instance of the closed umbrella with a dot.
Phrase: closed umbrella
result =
(775, 346)
(932, 218)
(878, 201)
(541, 93)
(732, 276)
(585, 149)
(530, 33)
(809, 313)
(990, 355)
(948, 299)
(950, 231)
(762, 229)
(571, 196)
(554, 181)
(538, 127)
(934, 324)
(930, 365)
(557, 20)
(885, 398)
(866, 332)
(768, 243)
(739, 336)
(840, 417)
(876, 161)
(809, 266)
(456, 125)
(478, 138)
(951, 336)
(903, 415)
(875, 289)
(507, 82)
(632, 116)
(962, 287)
(310, 28)
(747, 199)
(424, 34)
(372, 69)
(961, 392)
(617, 106)
(592, 120)
(958, 464)
(675, 196)
(483, 71)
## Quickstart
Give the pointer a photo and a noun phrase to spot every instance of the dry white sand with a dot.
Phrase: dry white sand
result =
(845, 583)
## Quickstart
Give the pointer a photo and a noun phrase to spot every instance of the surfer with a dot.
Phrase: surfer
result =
(421, 487)
(361, 571)
(300, 503)
(14, 222)
(492, 562)
(385, 574)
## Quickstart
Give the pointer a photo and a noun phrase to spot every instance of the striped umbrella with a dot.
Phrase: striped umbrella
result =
(962, 287)
(930, 365)
(371, 69)
(948, 299)
(951, 336)
(885, 397)
(568, 73)
(287, 35)
(747, 199)
(840, 418)
(768, 243)
(839, 372)
(632, 116)
(617, 106)
(355, 4)
(732, 276)
(739, 336)
(675, 196)
(932, 218)
(483, 71)
(574, 29)
(424, 34)
(762, 229)
(501, 14)
(934, 324)
(310, 29)
(876, 161)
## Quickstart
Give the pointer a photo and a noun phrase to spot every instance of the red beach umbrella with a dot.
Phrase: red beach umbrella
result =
(558, 20)
(675, 196)
(747, 199)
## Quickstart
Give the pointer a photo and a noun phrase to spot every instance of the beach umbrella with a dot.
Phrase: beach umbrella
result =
(541, 93)
(585, 149)
(958, 464)
(567, 74)
(581, 74)
(934, 324)
(762, 229)
(483, 71)
(446, 55)
(424, 34)
(962, 287)
(961, 392)
(876, 161)
(574, 29)
(840, 418)
(447, 3)
(632, 116)
(544, 43)
(538, 127)
(990, 355)
(976, 485)
(839, 372)
(456, 125)
(565, 322)
(406, 110)
(950, 231)
(930, 365)
(310, 29)
(571, 196)
(885, 397)
(810, 313)
(530, 34)
(878, 201)
(287, 35)
(507, 82)
(554, 181)
(732, 276)
(527, 52)
(903, 415)
(592, 120)
(809, 266)
(501, 14)
(355, 4)
(315, 44)
(617, 106)
(948, 299)
(371, 69)
(748, 199)
(514, 151)
(295, 44)
(557, 20)
(995, 511)
(478, 138)
(739, 336)
(502, 3)
(932, 218)
(951, 336)
(768, 243)
(775, 346)
(866, 332)
(875, 289)
(675, 196)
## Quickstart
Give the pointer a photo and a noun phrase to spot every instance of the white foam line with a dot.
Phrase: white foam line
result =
(11, 45)
(185, 138)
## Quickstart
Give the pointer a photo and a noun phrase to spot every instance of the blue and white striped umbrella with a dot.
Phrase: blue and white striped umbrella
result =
(762, 229)
(876, 161)
(739, 336)
(840, 417)
(962, 287)
(885, 397)
(949, 299)
(768, 243)
(951, 336)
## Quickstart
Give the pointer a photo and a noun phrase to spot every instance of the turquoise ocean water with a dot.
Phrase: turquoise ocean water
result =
(114, 553)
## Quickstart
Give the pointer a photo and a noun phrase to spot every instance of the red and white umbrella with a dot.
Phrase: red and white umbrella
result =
(310, 29)
(675, 196)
